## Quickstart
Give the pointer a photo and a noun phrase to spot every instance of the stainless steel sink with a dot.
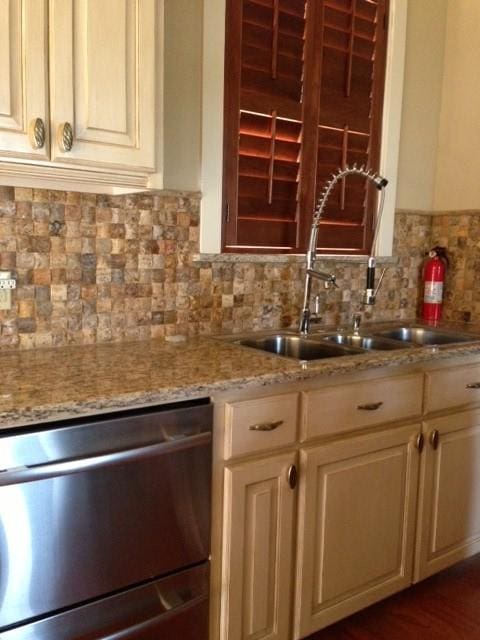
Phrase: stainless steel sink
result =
(298, 347)
(426, 336)
(366, 342)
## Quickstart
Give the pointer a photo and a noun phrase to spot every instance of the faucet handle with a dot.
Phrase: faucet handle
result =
(356, 321)
(380, 280)
(331, 283)
(315, 317)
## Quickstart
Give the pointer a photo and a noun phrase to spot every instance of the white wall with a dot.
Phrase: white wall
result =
(440, 134)
(183, 93)
(212, 125)
(422, 96)
(457, 184)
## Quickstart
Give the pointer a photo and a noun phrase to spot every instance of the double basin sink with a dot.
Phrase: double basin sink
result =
(330, 345)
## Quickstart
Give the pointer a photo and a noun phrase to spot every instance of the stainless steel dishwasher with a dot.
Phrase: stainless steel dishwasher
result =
(105, 527)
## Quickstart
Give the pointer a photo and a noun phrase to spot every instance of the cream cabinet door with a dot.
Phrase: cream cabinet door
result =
(357, 502)
(449, 500)
(257, 550)
(102, 67)
(23, 78)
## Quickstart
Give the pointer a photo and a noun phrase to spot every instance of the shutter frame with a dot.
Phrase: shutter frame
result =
(286, 220)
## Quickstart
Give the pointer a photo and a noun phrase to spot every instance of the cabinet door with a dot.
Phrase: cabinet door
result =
(257, 550)
(102, 69)
(23, 74)
(449, 503)
(357, 504)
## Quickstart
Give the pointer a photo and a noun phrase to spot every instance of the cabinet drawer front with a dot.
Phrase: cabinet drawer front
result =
(345, 407)
(257, 425)
(452, 387)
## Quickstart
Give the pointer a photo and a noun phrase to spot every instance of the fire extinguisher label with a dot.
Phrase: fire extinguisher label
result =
(433, 292)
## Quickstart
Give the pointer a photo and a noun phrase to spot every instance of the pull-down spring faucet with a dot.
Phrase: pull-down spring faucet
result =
(311, 256)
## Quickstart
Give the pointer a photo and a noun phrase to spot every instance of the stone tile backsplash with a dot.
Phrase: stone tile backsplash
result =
(460, 234)
(95, 268)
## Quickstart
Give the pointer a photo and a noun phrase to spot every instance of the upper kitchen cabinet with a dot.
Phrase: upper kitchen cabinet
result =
(23, 79)
(102, 75)
(93, 116)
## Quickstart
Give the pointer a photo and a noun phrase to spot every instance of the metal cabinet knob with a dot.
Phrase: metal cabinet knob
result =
(65, 137)
(37, 133)
(420, 442)
(292, 476)
(265, 426)
(435, 439)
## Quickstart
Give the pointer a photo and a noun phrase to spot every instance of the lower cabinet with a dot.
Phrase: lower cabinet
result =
(357, 506)
(259, 510)
(449, 507)
(372, 513)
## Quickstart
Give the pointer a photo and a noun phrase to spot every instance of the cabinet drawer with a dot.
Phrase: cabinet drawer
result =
(342, 408)
(452, 387)
(256, 425)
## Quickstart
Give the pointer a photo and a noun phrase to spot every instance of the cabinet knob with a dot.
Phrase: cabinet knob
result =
(435, 439)
(36, 133)
(473, 385)
(65, 137)
(420, 442)
(265, 426)
(372, 406)
(292, 476)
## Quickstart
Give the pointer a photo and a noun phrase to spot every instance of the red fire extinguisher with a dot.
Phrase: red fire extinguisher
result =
(434, 278)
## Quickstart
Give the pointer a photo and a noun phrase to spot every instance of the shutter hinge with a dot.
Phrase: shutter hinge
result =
(227, 212)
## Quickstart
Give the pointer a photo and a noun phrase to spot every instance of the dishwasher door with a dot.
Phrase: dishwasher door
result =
(91, 508)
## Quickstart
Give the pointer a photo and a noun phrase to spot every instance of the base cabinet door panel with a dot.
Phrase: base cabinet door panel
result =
(257, 550)
(449, 503)
(357, 504)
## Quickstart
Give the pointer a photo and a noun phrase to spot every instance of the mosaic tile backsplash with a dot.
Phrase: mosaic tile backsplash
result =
(460, 234)
(95, 268)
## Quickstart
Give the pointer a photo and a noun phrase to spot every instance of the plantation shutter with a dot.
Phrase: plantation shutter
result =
(353, 41)
(301, 97)
(264, 120)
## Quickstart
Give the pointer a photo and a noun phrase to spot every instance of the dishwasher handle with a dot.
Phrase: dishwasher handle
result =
(142, 629)
(19, 475)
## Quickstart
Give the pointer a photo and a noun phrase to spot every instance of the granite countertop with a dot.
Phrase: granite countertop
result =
(51, 384)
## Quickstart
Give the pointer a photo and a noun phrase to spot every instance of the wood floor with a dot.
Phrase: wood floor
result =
(443, 607)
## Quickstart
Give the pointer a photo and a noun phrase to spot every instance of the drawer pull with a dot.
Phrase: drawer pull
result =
(372, 406)
(292, 476)
(435, 439)
(266, 426)
(420, 442)
(473, 385)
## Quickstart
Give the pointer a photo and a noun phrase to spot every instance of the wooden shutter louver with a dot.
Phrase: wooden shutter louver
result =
(263, 202)
(349, 119)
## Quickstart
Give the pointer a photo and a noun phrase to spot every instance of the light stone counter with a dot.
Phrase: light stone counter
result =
(51, 384)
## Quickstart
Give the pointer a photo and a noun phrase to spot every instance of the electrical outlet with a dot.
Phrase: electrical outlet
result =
(7, 283)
